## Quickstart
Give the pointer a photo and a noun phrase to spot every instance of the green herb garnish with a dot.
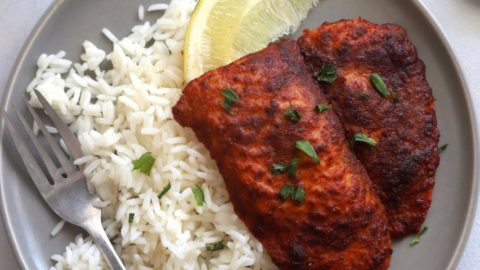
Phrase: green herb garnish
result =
(327, 73)
(214, 246)
(286, 191)
(379, 84)
(417, 237)
(164, 190)
(323, 107)
(364, 95)
(230, 98)
(360, 137)
(293, 192)
(298, 194)
(292, 167)
(293, 115)
(306, 147)
(443, 148)
(144, 164)
(198, 195)
(279, 168)
(130, 217)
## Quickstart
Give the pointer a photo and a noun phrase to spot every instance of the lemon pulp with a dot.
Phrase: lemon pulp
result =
(221, 31)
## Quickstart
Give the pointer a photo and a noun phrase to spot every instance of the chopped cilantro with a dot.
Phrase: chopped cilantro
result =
(164, 190)
(306, 147)
(198, 195)
(292, 114)
(379, 84)
(214, 246)
(230, 98)
(360, 137)
(323, 107)
(144, 164)
(327, 74)
(417, 237)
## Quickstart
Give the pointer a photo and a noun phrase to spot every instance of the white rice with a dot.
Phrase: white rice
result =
(157, 7)
(57, 228)
(120, 113)
(109, 35)
(141, 12)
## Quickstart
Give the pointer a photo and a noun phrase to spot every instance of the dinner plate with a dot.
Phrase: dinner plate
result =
(68, 23)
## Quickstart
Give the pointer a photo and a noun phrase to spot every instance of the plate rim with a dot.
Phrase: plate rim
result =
(473, 202)
(32, 37)
(432, 21)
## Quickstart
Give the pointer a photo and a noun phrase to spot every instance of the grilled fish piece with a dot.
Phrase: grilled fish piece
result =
(403, 123)
(237, 111)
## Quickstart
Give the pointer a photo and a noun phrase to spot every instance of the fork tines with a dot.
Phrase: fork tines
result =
(66, 168)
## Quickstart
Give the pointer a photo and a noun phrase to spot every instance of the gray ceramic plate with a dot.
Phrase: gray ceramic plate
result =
(68, 23)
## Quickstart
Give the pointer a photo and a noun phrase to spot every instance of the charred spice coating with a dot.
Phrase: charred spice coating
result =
(332, 217)
(378, 62)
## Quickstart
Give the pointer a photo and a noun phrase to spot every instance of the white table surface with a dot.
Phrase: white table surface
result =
(17, 18)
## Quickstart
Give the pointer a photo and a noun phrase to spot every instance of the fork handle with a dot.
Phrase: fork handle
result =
(98, 234)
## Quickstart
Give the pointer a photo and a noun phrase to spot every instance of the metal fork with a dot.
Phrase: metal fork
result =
(68, 196)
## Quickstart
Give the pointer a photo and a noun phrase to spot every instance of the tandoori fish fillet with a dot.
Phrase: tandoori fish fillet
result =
(401, 120)
(287, 166)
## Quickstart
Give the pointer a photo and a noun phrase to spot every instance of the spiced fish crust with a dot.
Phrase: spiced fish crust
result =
(401, 120)
(308, 213)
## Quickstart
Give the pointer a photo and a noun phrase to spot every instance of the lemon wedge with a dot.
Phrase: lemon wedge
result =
(221, 31)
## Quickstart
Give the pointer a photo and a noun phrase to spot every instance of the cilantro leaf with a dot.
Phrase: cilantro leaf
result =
(360, 137)
(214, 246)
(279, 168)
(306, 147)
(144, 164)
(164, 190)
(286, 191)
(198, 195)
(417, 237)
(298, 194)
(327, 74)
(230, 97)
(130, 217)
(379, 84)
(443, 147)
(323, 107)
(293, 115)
